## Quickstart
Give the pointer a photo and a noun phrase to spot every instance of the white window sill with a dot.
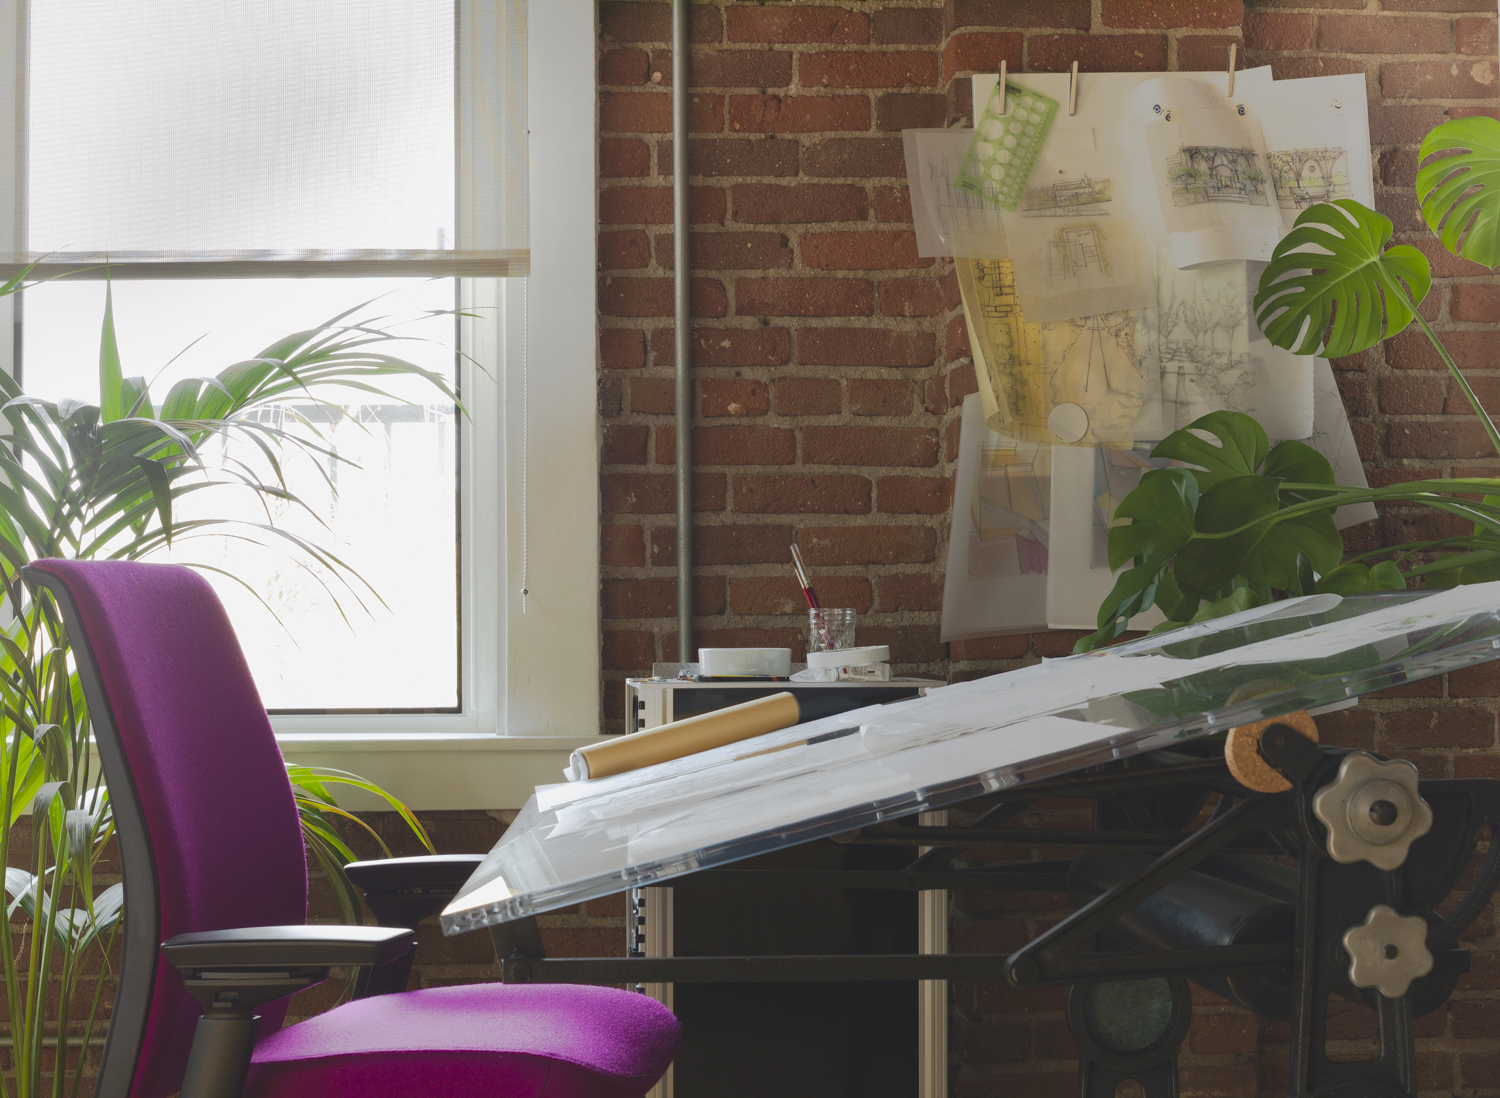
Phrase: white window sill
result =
(437, 770)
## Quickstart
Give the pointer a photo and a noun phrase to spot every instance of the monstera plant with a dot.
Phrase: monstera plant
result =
(109, 481)
(1237, 523)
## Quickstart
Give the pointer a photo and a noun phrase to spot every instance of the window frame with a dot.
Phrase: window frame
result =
(529, 494)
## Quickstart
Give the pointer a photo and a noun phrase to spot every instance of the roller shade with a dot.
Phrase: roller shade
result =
(275, 138)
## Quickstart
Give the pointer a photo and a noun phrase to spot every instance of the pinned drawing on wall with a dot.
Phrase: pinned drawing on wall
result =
(1216, 173)
(1307, 149)
(1081, 381)
(948, 221)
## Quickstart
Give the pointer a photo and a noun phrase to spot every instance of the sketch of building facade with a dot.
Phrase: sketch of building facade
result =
(1075, 251)
(1216, 173)
(1303, 177)
(1062, 199)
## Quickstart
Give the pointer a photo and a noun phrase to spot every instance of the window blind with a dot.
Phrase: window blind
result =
(275, 138)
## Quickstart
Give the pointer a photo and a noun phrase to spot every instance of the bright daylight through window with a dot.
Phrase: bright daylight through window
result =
(305, 138)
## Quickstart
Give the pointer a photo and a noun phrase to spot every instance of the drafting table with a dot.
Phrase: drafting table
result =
(1133, 727)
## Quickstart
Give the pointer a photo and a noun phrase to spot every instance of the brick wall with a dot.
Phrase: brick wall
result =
(830, 362)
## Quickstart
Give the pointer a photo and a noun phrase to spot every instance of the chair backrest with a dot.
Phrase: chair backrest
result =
(207, 825)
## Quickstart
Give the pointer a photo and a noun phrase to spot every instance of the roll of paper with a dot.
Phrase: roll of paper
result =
(685, 737)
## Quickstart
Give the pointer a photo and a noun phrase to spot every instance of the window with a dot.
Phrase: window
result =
(206, 231)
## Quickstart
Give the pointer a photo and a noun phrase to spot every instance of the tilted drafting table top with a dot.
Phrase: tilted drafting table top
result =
(575, 841)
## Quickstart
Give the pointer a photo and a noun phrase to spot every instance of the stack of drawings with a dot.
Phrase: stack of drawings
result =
(1112, 306)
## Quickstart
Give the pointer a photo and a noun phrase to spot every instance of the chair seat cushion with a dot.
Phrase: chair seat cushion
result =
(473, 1041)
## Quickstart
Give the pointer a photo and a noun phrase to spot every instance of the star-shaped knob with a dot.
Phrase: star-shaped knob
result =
(1373, 811)
(1388, 952)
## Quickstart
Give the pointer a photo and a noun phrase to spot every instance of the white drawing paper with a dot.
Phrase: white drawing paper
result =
(1213, 357)
(997, 543)
(1333, 438)
(948, 221)
(1317, 134)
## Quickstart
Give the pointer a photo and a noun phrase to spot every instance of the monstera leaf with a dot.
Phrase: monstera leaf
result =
(1460, 193)
(1330, 288)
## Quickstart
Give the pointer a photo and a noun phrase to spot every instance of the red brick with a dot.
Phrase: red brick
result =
(624, 250)
(1266, 30)
(910, 591)
(980, 51)
(1435, 5)
(892, 69)
(1474, 1018)
(637, 22)
(906, 27)
(653, 395)
(729, 251)
(622, 546)
(609, 400)
(910, 297)
(1448, 727)
(1056, 642)
(782, 24)
(624, 67)
(713, 157)
(651, 112)
(794, 638)
(1208, 52)
(864, 250)
(910, 643)
(868, 545)
(1383, 34)
(738, 544)
(914, 495)
(935, 395)
(1222, 1033)
(1011, 647)
(957, 342)
(798, 203)
(1018, 13)
(1220, 1081)
(1474, 349)
(628, 651)
(637, 205)
(823, 494)
(909, 446)
(908, 111)
(622, 156)
(1444, 79)
(1162, 14)
(1097, 53)
(1482, 681)
(1402, 125)
(893, 204)
(1475, 301)
(1476, 35)
(726, 347)
(656, 597)
(993, 1042)
(731, 446)
(865, 347)
(1444, 263)
(622, 348)
(807, 396)
(798, 113)
(1410, 396)
(735, 397)
(880, 397)
(803, 297)
(656, 493)
(1486, 390)
(1401, 208)
(859, 158)
(1298, 68)
(653, 297)
(719, 69)
(783, 594)
(624, 445)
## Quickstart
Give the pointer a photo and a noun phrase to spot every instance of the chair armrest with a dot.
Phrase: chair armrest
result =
(404, 891)
(431, 872)
(287, 947)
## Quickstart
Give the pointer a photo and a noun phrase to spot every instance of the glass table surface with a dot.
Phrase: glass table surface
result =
(576, 841)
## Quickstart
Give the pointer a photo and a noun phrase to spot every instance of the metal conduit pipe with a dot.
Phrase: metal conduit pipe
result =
(683, 319)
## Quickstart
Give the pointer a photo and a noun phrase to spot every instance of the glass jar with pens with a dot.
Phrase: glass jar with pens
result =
(830, 629)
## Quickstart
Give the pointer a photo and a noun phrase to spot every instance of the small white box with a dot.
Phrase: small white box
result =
(735, 662)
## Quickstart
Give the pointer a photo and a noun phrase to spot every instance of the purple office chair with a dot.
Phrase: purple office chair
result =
(216, 885)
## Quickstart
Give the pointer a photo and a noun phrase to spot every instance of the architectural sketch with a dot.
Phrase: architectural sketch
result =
(1012, 490)
(948, 220)
(1077, 251)
(1063, 199)
(1096, 362)
(1303, 177)
(1216, 173)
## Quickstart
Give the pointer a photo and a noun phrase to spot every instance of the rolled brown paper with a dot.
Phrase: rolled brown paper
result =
(686, 737)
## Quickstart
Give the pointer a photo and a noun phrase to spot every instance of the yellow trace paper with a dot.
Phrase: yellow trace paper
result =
(1088, 381)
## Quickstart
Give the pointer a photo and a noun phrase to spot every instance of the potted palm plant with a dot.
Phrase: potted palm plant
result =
(106, 480)
(1239, 523)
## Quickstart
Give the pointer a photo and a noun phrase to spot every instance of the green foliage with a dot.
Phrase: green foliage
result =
(81, 480)
(1332, 289)
(1460, 194)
